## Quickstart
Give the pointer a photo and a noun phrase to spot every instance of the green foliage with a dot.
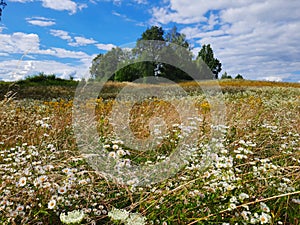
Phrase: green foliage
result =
(118, 64)
(226, 76)
(144, 59)
(239, 76)
(153, 33)
(46, 80)
(207, 55)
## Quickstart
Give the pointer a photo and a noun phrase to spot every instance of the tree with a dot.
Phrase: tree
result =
(105, 65)
(226, 76)
(180, 52)
(239, 76)
(153, 33)
(3, 4)
(173, 36)
(207, 55)
(148, 50)
(149, 56)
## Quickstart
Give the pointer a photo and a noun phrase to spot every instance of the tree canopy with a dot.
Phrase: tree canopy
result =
(144, 60)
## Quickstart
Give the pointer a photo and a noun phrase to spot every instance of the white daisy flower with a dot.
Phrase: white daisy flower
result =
(22, 181)
(51, 204)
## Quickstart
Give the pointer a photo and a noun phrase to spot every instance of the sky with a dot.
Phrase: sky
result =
(258, 39)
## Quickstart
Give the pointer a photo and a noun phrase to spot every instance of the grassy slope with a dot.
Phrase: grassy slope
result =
(66, 89)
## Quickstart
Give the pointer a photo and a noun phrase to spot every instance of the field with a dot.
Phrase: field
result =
(253, 174)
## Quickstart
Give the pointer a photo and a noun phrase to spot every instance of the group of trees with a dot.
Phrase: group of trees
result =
(226, 76)
(144, 60)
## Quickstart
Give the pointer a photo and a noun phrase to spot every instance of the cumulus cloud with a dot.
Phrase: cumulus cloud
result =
(12, 70)
(105, 47)
(82, 41)
(40, 21)
(19, 42)
(61, 34)
(255, 38)
(60, 5)
(24, 44)
(141, 2)
(67, 5)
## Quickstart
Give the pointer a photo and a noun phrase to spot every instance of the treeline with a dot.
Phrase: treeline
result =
(157, 53)
(46, 80)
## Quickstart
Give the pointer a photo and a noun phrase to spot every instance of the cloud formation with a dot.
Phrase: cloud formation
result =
(255, 38)
(60, 5)
(40, 21)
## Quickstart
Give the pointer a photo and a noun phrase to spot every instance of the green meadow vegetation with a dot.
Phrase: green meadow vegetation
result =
(254, 176)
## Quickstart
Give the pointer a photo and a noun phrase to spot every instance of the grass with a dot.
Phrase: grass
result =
(254, 177)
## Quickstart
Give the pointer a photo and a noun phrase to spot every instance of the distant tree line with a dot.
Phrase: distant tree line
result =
(226, 76)
(120, 64)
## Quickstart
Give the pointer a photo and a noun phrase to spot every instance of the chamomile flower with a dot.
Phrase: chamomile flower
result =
(243, 196)
(51, 204)
(264, 218)
(264, 207)
(22, 181)
(62, 190)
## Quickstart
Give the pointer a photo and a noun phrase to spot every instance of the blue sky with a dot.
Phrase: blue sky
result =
(256, 38)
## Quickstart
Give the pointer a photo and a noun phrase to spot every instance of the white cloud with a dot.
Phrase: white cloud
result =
(61, 34)
(40, 21)
(28, 45)
(61, 5)
(272, 78)
(22, 1)
(82, 41)
(258, 38)
(15, 70)
(76, 41)
(22, 43)
(64, 53)
(19, 42)
(105, 47)
(141, 2)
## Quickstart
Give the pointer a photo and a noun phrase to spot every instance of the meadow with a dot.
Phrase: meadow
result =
(253, 176)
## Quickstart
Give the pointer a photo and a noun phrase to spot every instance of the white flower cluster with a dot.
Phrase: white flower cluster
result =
(126, 217)
(75, 216)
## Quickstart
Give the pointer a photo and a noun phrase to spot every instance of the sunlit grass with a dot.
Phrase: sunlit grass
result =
(254, 177)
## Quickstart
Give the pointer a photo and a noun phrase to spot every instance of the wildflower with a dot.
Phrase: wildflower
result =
(264, 207)
(264, 218)
(297, 201)
(241, 156)
(112, 155)
(19, 208)
(135, 219)
(13, 213)
(232, 206)
(243, 196)
(42, 179)
(121, 152)
(62, 190)
(83, 182)
(66, 170)
(106, 146)
(118, 214)
(22, 181)
(51, 204)
(115, 147)
(75, 216)
(233, 199)
(244, 214)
